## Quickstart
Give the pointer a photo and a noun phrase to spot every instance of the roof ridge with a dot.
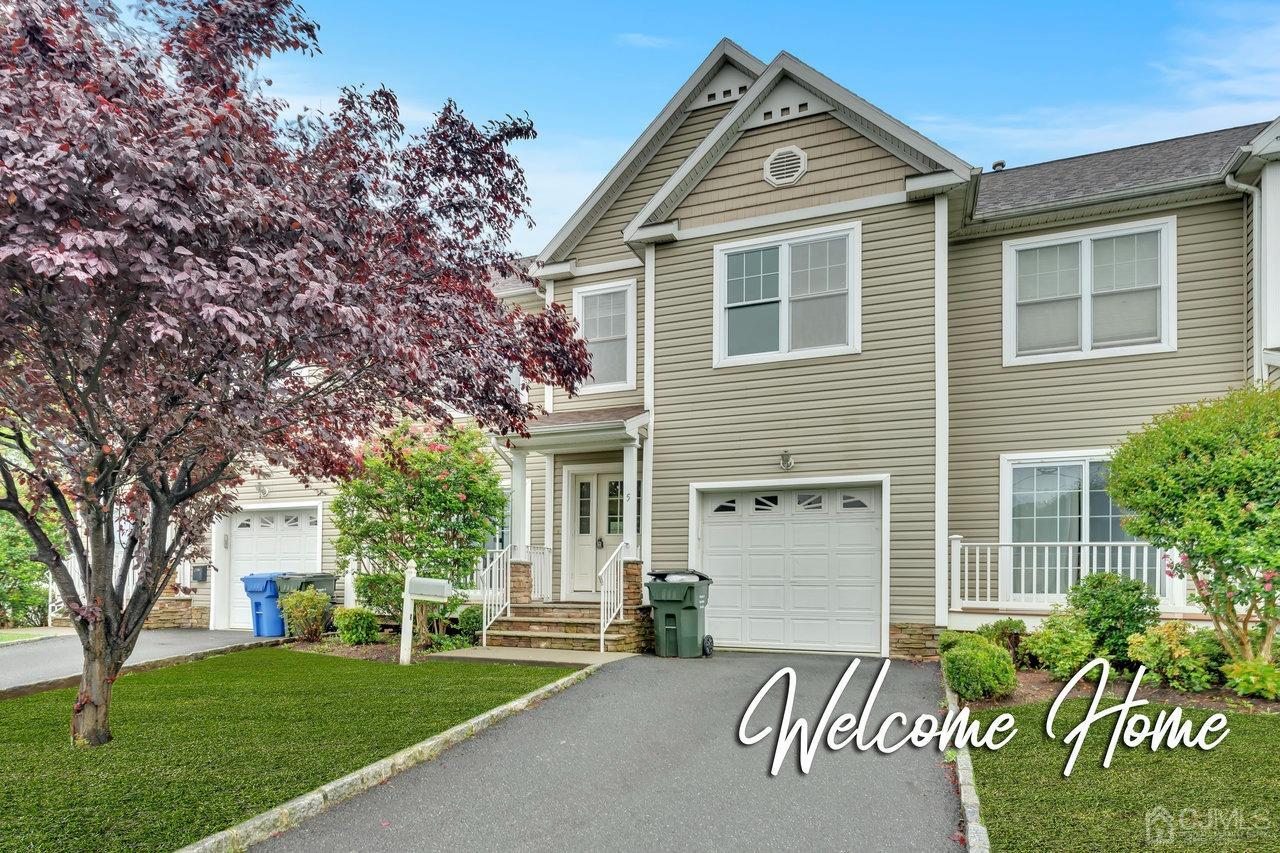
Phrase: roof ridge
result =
(1125, 148)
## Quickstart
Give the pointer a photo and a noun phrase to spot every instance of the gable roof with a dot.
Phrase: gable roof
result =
(864, 117)
(649, 142)
(1167, 164)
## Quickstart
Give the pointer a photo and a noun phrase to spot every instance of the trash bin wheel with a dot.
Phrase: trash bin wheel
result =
(708, 645)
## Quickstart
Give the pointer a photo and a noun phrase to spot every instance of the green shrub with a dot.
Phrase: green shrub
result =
(1062, 644)
(381, 592)
(1204, 643)
(1006, 633)
(1253, 678)
(446, 642)
(306, 613)
(470, 621)
(978, 669)
(357, 626)
(1113, 608)
(948, 640)
(1164, 650)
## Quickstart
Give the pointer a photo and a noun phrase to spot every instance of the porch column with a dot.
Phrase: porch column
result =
(630, 477)
(519, 504)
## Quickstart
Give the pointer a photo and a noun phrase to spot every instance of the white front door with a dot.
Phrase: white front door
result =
(274, 540)
(794, 569)
(595, 523)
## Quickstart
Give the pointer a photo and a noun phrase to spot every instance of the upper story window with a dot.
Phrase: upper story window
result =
(787, 296)
(1093, 293)
(607, 322)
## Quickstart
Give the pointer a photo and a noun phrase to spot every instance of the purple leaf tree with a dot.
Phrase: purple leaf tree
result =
(194, 287)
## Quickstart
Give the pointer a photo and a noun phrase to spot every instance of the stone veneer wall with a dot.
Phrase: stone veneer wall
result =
(918, 642)
(171, 611)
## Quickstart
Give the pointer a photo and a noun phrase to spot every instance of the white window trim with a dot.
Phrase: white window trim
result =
(1054, 457)
(1168, 228)
(853, 230)
(579, 297)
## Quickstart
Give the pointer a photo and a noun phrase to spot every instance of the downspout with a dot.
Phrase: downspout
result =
(1259, 372)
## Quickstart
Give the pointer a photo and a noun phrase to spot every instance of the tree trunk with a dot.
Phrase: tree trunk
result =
(90, 718)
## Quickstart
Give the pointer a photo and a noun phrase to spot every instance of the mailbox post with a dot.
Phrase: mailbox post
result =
(434, 590)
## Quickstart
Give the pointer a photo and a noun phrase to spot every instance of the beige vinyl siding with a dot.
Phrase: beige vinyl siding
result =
(842, 165)
(1092, 403)
(863, 414)
(604, 241)
(564, 295)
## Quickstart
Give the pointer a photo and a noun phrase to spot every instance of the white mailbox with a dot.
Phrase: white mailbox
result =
(434, 590)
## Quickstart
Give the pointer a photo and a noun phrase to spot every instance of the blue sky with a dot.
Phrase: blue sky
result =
(1021, 82)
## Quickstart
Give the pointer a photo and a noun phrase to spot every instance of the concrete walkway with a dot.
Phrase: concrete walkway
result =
(60, 656)
(644, 755)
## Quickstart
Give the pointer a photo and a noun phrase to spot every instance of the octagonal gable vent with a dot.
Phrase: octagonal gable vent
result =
(785, 166)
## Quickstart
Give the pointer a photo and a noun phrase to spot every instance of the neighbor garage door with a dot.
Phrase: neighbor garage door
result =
(794, 569)
(278, 540)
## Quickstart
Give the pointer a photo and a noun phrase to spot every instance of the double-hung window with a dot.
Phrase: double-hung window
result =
(1098, 292)
(1061, 522)
(607, 322)
(787, 296)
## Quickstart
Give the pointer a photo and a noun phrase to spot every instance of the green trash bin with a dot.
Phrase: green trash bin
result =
(679, 599)
(287, 582)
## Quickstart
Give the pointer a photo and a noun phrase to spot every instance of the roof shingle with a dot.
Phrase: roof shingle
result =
(1077, 179)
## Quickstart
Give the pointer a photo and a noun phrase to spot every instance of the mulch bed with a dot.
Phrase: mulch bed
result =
(386, 650)
(1037, 685)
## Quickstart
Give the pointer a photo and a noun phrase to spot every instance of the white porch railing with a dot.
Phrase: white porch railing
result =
(1037, 575)
(494, 585)
(540, 568)
(609, 579)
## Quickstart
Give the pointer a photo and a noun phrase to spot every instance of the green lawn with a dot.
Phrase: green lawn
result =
(1028, 805)
(202, 746)
(9, 638)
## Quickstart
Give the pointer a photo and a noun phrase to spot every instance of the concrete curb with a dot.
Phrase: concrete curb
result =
(26, 640)
(142, 666)
(975, 833)
(288, 815)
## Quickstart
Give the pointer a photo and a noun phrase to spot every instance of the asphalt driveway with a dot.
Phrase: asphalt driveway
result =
(645, 754)
(60, 656)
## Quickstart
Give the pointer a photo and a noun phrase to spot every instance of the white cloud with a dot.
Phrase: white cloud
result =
(1224, 74)
(644, 40)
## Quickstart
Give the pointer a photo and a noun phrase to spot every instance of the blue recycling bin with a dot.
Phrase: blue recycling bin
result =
(264, 603)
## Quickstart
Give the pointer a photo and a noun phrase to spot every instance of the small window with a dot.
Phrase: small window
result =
(766, 503)
(853, 500)
(584, 508)
(292, 520)
(809, 501)
(731, 505)
(788, 298)
(615, 508)
(311, 519)
(1087, 294)
(607, 322)
(244, 523)
(266, 521)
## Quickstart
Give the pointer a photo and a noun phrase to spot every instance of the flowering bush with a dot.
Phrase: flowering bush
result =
(1204, 481)
(416, 495)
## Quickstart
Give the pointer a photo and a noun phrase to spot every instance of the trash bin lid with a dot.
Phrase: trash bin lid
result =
(260, 582)
(679, 576)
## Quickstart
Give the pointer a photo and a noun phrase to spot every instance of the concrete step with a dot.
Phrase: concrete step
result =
(555, 624)
(556, 610)
(613, 642)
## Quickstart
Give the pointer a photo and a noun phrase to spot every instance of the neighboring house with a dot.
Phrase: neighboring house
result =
(868, 388)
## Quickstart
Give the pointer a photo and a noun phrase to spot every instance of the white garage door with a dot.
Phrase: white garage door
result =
(794, 569)
(277, 540)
